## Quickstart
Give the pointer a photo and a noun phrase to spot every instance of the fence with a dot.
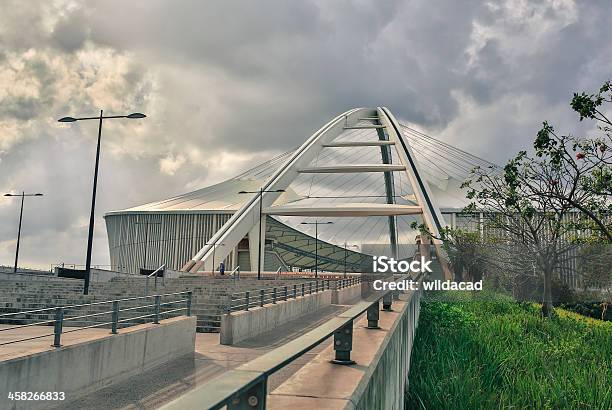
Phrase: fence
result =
(115, 312)
(260, 297)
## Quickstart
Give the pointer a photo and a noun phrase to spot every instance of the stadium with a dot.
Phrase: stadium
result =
(353, 197)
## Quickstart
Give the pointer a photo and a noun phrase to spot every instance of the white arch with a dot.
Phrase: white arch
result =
(246, 220)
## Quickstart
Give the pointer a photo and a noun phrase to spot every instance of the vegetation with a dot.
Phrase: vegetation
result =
(484, 350)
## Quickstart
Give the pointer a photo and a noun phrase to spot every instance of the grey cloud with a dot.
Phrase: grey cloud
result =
(247, 80)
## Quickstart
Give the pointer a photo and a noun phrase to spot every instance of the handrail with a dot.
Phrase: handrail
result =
(248, 382)
(162, 267)
(263, 296)
(59, 317)
(233, 273)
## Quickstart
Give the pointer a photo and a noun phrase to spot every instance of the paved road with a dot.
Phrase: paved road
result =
(164, 383)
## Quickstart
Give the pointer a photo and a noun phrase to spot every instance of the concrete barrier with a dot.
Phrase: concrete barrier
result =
(386, 381)
(346, 295)
(82, 368)
(242, 325)
(377, 380)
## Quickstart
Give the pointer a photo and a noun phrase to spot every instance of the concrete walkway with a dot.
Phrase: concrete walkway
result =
(160, 385)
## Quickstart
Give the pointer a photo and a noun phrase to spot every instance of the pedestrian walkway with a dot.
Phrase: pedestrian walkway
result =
(162, 384)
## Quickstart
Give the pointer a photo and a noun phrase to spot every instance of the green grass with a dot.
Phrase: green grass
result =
(488, 351)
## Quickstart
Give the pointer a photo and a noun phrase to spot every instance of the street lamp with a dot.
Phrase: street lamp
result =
(346, 246)
(135, 115)
(260, 192)
(146, 224)
(316, 224)
(22, 195)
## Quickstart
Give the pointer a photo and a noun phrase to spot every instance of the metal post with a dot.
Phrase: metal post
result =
(261, 297)
(343, 344)
(19, 232)
(294, 291)
(317, 287)
(259, 248)
(247, 294)
(274, 295)
(387, 301)
(146, 245)
(157, 307)
(285, 293)
(302, 290)
(373, 314)
(189, 300)
(115, 317)
(93, 207)
(254, 398)
(57, 329)
(316, 249)
(310, 287)
(345, 255)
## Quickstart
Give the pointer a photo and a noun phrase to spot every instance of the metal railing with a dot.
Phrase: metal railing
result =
(116, 318)
(246, 386)
(155, 272)
(260, 297)
(235, 274)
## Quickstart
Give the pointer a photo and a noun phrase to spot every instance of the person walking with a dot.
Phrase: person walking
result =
(222, 268)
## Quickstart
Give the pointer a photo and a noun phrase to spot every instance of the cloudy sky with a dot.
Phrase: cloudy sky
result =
(228, 84)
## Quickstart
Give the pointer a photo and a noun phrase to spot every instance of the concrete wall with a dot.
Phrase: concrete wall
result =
(85, 367)
(346, 295)
(377, 380)
(383, 386)
(238, 326)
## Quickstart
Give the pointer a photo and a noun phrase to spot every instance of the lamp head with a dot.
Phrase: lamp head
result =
(67, 119)
(135, 115)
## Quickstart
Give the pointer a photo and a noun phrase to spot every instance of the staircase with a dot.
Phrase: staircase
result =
(209, 298)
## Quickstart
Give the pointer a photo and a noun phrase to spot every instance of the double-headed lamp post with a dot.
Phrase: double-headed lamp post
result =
(22, 195)
(346, 246)
(135, 115)
(316, 224)
(260, 192)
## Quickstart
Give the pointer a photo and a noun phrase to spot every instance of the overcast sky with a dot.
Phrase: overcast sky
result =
(229, 84)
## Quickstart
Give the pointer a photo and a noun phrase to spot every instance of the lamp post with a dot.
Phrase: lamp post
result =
(260, 192)
(346, 246)
(135, 115)
(316, 223)
(22, 195)
(146, 241)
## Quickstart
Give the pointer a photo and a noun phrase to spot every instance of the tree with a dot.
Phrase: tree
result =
(544, 205)
(531, 226)
(584, 172)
